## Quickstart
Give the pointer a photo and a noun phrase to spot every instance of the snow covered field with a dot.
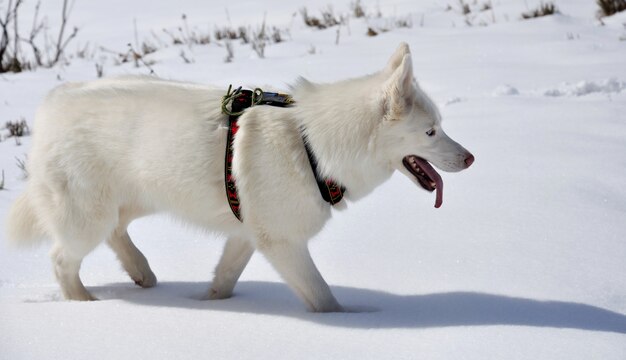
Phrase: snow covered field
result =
(525, 260)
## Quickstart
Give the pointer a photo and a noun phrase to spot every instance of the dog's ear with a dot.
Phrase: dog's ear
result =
(398, 90)
(397, 57)
(402, 78)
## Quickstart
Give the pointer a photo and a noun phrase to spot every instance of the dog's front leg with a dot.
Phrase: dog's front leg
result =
(293, 262)
(237, 253)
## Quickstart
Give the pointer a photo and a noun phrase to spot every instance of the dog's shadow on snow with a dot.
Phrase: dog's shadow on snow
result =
(377, 309)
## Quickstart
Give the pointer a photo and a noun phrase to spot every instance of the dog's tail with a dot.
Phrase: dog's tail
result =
(23, 226)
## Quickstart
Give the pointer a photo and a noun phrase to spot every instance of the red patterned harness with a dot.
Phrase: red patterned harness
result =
(242, 99)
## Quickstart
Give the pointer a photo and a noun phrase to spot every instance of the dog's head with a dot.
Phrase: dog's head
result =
(411, 131)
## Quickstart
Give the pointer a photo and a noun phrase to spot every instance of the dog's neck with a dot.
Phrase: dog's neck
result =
(340, 123)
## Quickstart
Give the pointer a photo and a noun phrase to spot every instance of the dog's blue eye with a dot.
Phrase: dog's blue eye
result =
(430, 132)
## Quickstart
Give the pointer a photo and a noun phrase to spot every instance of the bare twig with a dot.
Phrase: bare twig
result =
(260, 40)
(186, 32)
(5, 40)
(18, 128)
(185, 58)
(11, 58)
(21, 164)
(610, 7)
(230, 53)
(62, 42)
(138, 58)
(35, 30)
(544, 9)
(357, 9)
(16, 32)
(175, 39)
(99, 69)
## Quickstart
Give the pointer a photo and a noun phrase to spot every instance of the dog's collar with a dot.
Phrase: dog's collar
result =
(240, 100)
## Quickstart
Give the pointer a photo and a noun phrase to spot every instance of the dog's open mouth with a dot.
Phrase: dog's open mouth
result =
(426, 175)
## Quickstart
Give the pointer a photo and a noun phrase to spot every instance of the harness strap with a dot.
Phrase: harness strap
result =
(330, 190)
(238, 104)
(241, 100)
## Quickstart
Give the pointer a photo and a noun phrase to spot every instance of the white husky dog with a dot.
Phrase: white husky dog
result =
(110, 151)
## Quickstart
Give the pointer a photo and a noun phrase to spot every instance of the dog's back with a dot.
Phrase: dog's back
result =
(124, 143)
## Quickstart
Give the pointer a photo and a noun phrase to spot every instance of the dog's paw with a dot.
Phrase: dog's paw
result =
(215, 294)
(358, 309)
(90, 298)
(330, 307)
(146, 280)
(80, 296)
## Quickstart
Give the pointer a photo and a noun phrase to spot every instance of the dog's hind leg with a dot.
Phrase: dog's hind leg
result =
(66, 262)
(293, 262)
(237, 253)
(74, 236)
(77, 225)
(133, 261)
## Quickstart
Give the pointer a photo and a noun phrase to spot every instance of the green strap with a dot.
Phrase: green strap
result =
(257, 97)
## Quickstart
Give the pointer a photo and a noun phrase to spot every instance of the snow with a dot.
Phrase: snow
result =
(582, 88)
(505, 90)
(525, 260)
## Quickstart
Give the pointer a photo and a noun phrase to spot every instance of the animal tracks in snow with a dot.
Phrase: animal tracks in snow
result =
(609, 86)
(582, 88)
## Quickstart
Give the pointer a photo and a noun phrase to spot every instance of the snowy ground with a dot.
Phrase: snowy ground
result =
(525, 260)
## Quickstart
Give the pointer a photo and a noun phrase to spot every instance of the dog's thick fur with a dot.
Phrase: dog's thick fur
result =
(107, 152)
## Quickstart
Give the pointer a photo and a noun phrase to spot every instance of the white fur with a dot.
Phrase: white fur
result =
(110, 151)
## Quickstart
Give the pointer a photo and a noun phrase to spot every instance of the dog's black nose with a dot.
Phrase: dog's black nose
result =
(469, 160)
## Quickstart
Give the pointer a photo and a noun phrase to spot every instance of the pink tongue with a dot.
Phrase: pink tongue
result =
(434, 175)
